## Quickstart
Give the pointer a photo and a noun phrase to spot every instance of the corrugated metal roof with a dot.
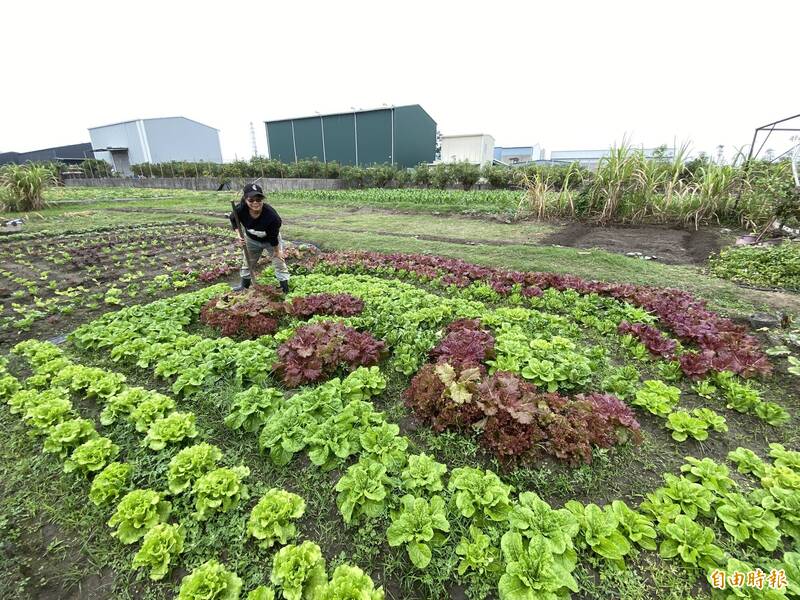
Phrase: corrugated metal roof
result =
(152, 119)
(348, 112)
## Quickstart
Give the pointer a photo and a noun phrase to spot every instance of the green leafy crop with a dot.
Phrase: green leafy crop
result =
(362, 384)
(109, 483)
(423, 474)
(149, 410)
(172, 429)
(599, 529)
(123, 404)
(657, 397)
(251, 408)
(744, 521)
(684, 425)
(271, 519)
(747, 461)
(531, 516)
(692, 542)
(191, 463)
(210, 581)
(350, 583)
(65, 436)
(417, 524)
(362, 491)
(384, 444)
(477, 553)
(91, 456)
(137, 513)
(219, 490)
(299, 571)
(480, 495)
(709, 473)
(532, 572)
(634, 525)
(161, 544)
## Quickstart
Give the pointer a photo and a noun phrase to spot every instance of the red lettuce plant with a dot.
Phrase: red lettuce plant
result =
(466, 344)
(657, 343)
(249, 315)
(315, 352)
(341, 305)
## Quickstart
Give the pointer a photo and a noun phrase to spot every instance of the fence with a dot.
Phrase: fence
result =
(207, 183)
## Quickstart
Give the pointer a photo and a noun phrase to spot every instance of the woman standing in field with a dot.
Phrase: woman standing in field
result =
(262, 226)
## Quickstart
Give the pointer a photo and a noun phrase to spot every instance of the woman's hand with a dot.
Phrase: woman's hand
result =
(240, 241)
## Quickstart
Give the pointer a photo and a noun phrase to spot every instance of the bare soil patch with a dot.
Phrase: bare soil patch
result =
(670, 246)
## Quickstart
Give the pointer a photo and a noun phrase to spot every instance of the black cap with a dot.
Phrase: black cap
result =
(252, 190)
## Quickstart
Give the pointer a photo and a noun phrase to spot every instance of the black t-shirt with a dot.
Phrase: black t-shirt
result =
(264, 228)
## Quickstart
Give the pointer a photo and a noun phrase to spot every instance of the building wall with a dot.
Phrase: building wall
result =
(477, 149)
(70, 153)
(122, 135)
(177, 138)
(414, 136)
(361, 137)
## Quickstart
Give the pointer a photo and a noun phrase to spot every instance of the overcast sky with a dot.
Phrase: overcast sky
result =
(566, 75)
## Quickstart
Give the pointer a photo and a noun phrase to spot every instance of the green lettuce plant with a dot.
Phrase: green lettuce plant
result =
(109, 483)
(786, 505)
(285, 433)
(422, 475)
(745, 521)
(772, 413)
(149, 410)
(64, 437)
(191, 463)
(362, 491)
(692, 497)
(172, 429)
(384, 444)
(350, 583)
(784, 458)
(416, 524)
(47, 413)
(711, 419)
(684, 425)
(480, 495)
(635, 526)
(337, 438)
(709, 473)
(219, 491)
(271, 519)
(692, 542)
(363, 384)
(9, 385)
(599, 530)
(251, 408)
(477, 553)
(91, 456)
(262, 592)
(532, 572)
(657, 397)
(531, 516)
(747, 461)
(160, 546)
(122, 404)
(210, 581)
(299, 571)
(105, 386)
(137, 513)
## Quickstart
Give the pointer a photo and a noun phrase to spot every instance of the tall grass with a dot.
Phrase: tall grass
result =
(629, 187)
(23, 185)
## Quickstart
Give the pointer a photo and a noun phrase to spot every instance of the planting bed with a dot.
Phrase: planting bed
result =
(412, 426)
(48, 282)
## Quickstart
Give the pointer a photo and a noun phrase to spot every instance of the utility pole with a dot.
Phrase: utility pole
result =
(253, 140)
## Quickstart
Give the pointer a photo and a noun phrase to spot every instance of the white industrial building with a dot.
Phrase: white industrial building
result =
(475, 148)
(591, 158)
(154, 141)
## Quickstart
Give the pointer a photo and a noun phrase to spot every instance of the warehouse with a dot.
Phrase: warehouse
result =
(154, 141)
(73, 153)
(400, 135)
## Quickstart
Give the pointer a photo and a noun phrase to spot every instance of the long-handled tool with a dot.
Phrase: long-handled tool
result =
(250, 264)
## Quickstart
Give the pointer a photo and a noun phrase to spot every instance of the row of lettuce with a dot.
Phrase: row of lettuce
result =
(538, 544)
(143, 515)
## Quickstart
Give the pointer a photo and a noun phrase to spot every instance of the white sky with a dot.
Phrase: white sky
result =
(568, 75)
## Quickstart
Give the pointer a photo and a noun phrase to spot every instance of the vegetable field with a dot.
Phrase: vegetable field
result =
(399, 425)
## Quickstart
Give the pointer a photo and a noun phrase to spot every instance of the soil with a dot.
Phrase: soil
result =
(670, 246)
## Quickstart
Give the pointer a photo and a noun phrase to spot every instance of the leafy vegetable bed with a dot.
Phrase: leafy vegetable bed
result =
(398, 426)
(774, 266)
